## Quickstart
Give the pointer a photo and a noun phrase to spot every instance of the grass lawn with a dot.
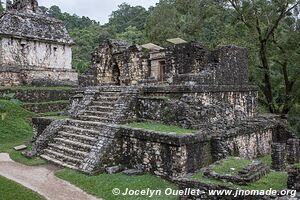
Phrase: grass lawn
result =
(231, 166)
(103, 184)
(274, 180)
(15, 129)
(153, 126)
(10, 190)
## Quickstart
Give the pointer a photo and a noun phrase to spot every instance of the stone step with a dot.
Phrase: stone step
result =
(80, 131)
(62, 157)
(91, 125)
(58, 162)
(103, 103)
(109, 94)
(77, 138)
(95, 119)
(68, 151)
(101, 108)
(98, 114)
(72, 144)
(107, 98)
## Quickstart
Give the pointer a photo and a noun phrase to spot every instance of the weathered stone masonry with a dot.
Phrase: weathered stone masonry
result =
(186, 85)
(34, 49)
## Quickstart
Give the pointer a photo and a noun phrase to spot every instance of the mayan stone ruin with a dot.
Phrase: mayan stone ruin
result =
(35, 49)
(184, 84)
(206, 92)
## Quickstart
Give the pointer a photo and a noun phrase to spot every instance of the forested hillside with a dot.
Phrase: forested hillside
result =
(269, 29)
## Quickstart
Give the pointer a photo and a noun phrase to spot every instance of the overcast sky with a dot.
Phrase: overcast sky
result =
(95, 9)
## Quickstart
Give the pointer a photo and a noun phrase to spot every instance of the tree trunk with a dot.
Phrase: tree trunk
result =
(267, 79)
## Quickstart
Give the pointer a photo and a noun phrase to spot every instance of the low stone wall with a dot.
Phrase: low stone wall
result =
(164, 154)
(294, 179)
(32, 95)
(19, 75)
(45, 107)
(251, 173)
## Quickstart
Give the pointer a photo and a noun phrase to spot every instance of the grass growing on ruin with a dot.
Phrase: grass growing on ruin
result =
(297, 166)
(103, 184)
(267, 160)
(274, 180)
(231, 166)
(41, 88)
(153, 126)
(15, 130)
(11, 190)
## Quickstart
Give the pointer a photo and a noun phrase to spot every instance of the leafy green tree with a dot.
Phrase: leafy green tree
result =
(201, 20)
(132, 34)
(1, 8)
(265, 22)
(127, 16)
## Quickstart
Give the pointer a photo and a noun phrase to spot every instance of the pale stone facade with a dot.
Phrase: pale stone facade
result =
(34, 49)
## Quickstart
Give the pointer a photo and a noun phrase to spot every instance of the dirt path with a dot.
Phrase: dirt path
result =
(42, 180)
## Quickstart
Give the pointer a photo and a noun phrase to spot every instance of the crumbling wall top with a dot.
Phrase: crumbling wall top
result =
(24, 20)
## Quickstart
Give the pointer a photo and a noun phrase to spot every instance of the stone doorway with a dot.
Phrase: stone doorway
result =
(116, 74)
(161, 71)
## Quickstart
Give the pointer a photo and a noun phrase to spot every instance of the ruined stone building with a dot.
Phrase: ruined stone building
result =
(34, 49)
(120, 63)
(184, 84)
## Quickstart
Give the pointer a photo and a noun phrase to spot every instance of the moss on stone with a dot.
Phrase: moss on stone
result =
(154, 126)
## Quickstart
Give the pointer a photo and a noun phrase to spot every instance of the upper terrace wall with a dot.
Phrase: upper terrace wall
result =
(25, 53)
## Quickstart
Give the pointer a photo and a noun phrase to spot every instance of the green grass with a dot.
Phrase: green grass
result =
(10, 190)
(153, 126)
(31, 88)
(226, 166)
(18, 157)
(103, 184)
(274, 180)
(267, 160)
(296, 166)
(16, 130)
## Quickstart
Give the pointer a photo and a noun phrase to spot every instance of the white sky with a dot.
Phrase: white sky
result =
(95, 9)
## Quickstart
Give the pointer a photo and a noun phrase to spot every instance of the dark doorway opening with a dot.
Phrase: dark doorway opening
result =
(116, 74)
(162, 71)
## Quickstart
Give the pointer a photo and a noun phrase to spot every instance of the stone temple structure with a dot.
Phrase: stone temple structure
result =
(184, 84)
(34, 49)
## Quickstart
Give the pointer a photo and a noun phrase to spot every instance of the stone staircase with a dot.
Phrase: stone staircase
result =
(78, 136)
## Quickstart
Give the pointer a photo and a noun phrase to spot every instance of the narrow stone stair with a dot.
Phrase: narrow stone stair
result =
(75, 140)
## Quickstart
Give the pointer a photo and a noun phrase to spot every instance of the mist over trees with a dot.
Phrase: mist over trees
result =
(270, 30)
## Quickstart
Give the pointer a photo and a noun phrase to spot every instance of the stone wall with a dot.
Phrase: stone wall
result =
(284, 153)
(170, 154)
(294, 179)
(21, 52)
(18, 76)
(32, 95)
(190, 107)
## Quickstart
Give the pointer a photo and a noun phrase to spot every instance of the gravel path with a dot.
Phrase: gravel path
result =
(42, 180)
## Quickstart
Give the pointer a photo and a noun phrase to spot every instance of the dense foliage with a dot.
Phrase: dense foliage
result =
(269, 29)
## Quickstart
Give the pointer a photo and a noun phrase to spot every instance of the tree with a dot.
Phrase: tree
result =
(263, 20)
(201, 20)
(132, 34)
(127, 16)
(1, 8)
